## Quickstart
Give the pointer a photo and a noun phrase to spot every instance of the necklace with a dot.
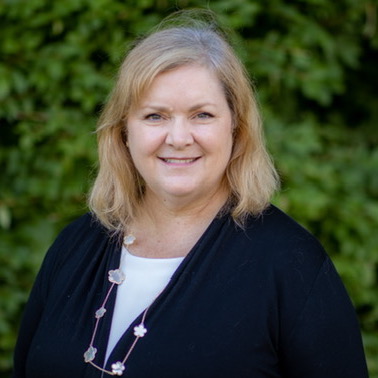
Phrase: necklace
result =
(115, 277)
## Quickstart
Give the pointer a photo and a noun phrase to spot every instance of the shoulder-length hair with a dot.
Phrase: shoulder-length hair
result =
(250, 175)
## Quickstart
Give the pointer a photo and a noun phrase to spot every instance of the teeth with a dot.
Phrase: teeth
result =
(179, 161)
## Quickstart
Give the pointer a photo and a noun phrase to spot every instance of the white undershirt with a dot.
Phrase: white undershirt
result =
(145, 280)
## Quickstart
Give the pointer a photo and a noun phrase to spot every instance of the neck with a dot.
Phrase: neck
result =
(163, 230)
(159, 209)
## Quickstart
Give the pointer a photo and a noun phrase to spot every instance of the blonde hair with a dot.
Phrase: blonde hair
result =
(250, 174)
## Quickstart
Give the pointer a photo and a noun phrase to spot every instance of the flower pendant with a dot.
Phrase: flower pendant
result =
(90, 354)
(100, 312)
(128, 240)
(118, 368)
(116, 276)
(140, 330)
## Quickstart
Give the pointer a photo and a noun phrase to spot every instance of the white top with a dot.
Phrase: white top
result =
(145, 280)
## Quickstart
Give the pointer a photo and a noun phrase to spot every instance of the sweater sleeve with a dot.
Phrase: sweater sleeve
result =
(29, 324)
(32, 315)
(35, 306)
(325, 341)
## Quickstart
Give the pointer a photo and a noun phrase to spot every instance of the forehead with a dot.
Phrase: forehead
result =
(188, 81)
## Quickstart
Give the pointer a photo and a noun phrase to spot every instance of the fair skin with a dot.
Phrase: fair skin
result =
(180, 140)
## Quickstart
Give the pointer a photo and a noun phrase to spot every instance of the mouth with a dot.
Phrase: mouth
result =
(179, 160)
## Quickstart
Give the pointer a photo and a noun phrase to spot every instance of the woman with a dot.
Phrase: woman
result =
(182, 268)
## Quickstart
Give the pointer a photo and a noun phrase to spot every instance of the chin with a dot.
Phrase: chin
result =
(181, 193)
(185, 191)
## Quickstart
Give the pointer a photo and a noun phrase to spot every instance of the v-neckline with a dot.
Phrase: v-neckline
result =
(172, 288)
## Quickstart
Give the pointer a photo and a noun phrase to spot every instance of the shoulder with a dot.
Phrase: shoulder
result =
(292, 263)
(84, 236)
(281, 247)
(280, 234)
(81, 242)
(86, 225)
(274, 221)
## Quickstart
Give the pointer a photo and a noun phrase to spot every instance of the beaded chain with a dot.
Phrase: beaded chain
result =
(115, 277)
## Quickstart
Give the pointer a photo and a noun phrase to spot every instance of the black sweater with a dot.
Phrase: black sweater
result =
(261, 302)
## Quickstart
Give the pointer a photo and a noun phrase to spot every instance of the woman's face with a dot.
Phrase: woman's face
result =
(180, 135)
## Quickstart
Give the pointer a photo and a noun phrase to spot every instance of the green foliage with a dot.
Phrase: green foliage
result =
(313, 62)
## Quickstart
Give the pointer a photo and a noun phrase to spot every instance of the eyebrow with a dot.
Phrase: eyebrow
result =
(201, 105)
(164, 108)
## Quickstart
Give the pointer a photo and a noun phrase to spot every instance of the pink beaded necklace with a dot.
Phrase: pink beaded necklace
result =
(115, 277)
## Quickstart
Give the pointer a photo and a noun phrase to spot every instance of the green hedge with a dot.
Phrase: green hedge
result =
(314, 64)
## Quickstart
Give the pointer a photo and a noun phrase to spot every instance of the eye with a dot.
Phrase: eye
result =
(153, 117)
(204, 115)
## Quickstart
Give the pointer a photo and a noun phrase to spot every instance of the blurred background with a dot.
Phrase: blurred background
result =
(314, 64)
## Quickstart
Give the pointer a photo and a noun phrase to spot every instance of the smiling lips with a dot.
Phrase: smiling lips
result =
(179, 160)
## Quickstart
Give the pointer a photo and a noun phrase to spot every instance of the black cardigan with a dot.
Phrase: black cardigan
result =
(261, 302)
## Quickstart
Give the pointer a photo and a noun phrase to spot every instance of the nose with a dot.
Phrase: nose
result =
(179, 134)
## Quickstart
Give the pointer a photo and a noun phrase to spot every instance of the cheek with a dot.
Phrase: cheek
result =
(227, 146)
(225, 139)
(136, 139)
(143, 143)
